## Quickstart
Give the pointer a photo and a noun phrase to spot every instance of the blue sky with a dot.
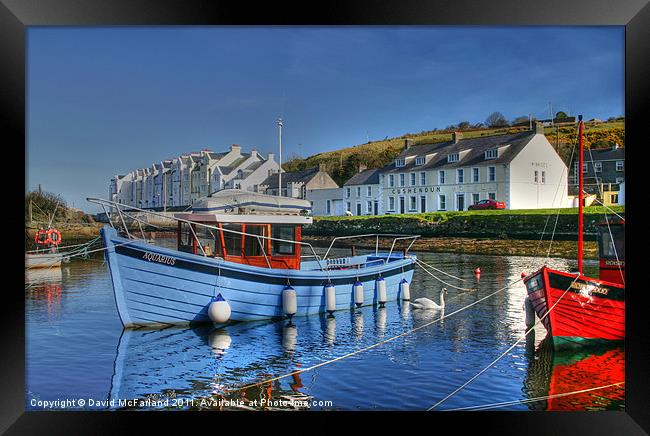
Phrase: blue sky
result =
(105, 101)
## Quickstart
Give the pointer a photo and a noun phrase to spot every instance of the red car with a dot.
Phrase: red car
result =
(487, 204)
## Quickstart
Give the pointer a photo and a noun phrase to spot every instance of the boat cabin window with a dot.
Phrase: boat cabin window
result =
(185, 238)
(252, 245)
(232, 241)
(281, 231)
(609, 250)
(208, 239)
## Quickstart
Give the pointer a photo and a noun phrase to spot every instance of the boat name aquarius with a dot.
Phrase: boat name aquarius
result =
(153, 257)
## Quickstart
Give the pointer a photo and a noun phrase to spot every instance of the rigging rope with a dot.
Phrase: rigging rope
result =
(508, 350)
(418, 262)
(532, 400)
(441, 271)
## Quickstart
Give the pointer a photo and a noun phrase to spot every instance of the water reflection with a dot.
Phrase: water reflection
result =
(551, 373)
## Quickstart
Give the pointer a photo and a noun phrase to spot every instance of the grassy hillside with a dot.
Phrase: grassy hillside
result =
(344, 163)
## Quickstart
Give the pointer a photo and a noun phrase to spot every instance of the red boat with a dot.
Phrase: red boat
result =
(576, 309)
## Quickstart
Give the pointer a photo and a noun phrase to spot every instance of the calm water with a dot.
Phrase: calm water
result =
(76, 349)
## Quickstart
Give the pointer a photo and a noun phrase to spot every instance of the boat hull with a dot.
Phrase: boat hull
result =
(160, 286)
(592, 311)
(43, 260)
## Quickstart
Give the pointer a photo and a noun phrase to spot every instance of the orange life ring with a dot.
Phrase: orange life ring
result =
(56, 240)
(38, 239)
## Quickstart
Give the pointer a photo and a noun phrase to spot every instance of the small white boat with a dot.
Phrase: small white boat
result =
(43, 260)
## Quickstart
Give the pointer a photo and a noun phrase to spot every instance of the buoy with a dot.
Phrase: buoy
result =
(381, 291)
(530, 313)
(219, 310)
(477, 273)
(330, 297)
(405, 290)
(289, 301)
(523, 274)
(358, 294)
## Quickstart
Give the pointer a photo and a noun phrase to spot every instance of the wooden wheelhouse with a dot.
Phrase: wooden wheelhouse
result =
(268, 241)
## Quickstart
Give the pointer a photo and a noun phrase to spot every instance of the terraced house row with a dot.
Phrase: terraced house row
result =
(178, 182)
(523, 170)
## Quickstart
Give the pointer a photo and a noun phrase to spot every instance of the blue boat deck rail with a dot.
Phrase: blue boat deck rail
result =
(323, 262)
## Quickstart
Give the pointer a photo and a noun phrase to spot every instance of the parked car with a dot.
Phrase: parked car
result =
(487, 204)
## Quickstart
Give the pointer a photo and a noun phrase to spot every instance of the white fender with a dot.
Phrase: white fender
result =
(219, 310)
(358, 294)
(289, 301)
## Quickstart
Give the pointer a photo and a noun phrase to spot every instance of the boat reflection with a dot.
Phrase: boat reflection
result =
(44, 285)
(552, 373)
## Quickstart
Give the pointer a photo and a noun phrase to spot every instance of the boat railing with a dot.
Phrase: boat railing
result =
(396, 237)
(121, 214)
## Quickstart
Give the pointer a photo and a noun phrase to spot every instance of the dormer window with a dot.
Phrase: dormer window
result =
(452, 157)
(420, 160)
(491, 154)
(400, 163)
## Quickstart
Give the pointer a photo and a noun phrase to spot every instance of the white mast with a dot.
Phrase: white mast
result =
(280, 157)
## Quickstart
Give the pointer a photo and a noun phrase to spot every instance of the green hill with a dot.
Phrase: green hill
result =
(344, 163)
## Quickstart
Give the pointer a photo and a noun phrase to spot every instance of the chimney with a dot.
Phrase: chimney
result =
(408, 143)
(254, 153)
(362, 168)
(456, 136)
(321, 167)
(235, 147)
(538, 128)
(271, 156)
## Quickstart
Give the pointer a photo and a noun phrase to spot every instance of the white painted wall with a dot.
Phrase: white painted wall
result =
(319, 198)
(524, 193)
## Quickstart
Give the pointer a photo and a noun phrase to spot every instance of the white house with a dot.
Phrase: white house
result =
(362, 194)
(523, 170)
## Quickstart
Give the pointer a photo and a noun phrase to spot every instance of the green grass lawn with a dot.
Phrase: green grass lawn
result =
(444, 216)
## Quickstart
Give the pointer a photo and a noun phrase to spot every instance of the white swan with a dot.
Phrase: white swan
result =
(425, 303)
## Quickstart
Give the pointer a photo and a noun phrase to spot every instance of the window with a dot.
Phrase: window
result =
(423, 178)
(491, 154)
(391, 180)
(369, 207)
(420, 160)
(328, 207)
(401, 179)
(536, 176)
(584, 168)
(232, 240)
(358, 191)
(475, 198)
(348, 207)
(492, 174)
(475, 175)
(619, 165)
(251, 244)
(598, 167)
(400, 162)
(461, 175)
(391, 203)
(368, 191)
(413, 204)
(613, 198)
(412, 179)
(442, 202)
(282, 231)
(347, 193)
(441, 177)
(452, 157)
(492, 196)
(543, 176)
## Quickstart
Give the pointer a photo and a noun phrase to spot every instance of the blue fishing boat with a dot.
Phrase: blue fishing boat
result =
(239, 257)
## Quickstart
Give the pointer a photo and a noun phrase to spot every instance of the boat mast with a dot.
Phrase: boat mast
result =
(580, 192)
(280, 157)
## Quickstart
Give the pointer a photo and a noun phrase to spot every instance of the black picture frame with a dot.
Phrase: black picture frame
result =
(16, 15)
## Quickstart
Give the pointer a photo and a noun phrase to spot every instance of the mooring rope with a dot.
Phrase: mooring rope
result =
(418, 262)
(532, 400)
(508, 350)
(441, 271)
(361, 350)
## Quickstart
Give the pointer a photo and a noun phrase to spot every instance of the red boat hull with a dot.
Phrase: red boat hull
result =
(590, 309)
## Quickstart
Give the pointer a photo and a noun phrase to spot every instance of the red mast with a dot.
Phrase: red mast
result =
(580, 196)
